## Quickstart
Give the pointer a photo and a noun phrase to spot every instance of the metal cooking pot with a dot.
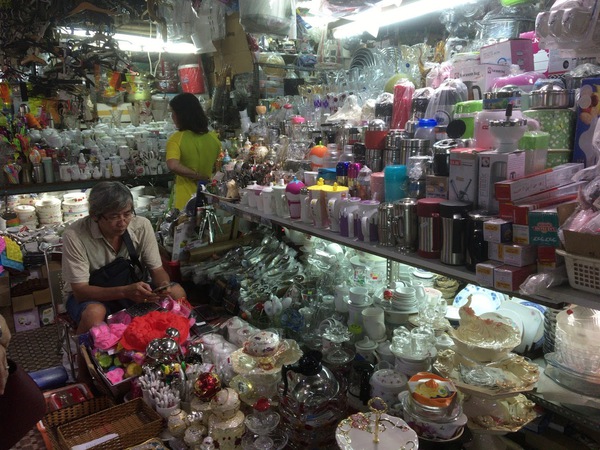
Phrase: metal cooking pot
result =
(552, 96)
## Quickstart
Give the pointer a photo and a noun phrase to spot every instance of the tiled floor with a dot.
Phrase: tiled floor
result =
(34, 350)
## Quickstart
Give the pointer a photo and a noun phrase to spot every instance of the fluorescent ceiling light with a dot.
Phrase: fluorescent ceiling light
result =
(132, 43)
(373, 19)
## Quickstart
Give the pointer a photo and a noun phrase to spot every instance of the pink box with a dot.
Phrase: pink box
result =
(509, 278)
(513, 51)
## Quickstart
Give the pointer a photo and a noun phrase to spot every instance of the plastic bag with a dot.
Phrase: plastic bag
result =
(350, 111)
(536, 284)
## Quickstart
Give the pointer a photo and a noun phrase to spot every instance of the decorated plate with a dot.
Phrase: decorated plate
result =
(482, 300)
(356, 433)
(533, 322)
(513, 319)
(497, 379)
(288, 353)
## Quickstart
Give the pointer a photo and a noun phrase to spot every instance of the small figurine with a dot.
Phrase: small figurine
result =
(232, 189)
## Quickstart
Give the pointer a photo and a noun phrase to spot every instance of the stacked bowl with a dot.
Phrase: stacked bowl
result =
(26, 215)
(74, 206)
(432, 408)
(577, 344)
(404, 299)
(48, 211)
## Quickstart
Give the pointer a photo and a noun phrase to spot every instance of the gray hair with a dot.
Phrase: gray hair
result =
(109, 197)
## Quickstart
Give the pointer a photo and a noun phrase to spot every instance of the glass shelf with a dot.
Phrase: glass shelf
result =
(555, 297)
(15, 189)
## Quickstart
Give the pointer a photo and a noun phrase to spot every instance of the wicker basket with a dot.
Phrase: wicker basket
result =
(133, 422)
(583, 272)
(50, 422)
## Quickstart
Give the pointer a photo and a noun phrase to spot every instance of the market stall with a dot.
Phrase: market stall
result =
(398, 243)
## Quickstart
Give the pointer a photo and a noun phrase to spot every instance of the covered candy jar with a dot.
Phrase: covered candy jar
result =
(226, 423)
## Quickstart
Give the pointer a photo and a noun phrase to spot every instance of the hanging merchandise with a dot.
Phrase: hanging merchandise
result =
(329, 52)
(507, 21)
(166, 76)
(273, 17)
(569, 25)
(191, 77)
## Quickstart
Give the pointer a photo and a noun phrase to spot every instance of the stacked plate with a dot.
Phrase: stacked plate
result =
(48, 211)
(549, 329)
(404, 299)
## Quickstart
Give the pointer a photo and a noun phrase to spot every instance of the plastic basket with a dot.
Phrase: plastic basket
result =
(49, 424)
(583, 272)
(133, 423)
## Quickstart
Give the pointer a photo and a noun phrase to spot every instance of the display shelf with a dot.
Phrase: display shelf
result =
(15, 189)
(555, 297)
(588, 420)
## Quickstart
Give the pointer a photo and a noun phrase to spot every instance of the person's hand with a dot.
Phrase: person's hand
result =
(5, 339)
(173, 290)
(140, 292)
(3, 369)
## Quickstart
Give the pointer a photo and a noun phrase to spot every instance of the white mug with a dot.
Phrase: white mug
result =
(373, 322)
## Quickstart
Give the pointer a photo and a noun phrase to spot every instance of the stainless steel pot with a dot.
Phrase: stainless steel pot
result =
(551, 96)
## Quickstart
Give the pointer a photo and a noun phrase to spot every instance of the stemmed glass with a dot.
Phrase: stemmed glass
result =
(262, 424)
(336, 335)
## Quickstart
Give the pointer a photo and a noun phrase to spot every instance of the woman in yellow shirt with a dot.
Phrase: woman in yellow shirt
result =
(191, 151)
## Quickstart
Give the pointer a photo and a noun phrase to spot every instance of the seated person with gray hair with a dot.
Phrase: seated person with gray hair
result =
(105, 256)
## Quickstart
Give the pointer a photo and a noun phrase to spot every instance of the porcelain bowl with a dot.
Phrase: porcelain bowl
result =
(481, 352)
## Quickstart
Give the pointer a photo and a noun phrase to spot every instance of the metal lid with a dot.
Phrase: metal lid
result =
(386, 206)
(445, 145)
(482, 215)
(512, 122)
(428, 206)
(450, 208)
(406, 201)
(501, 94)
(377, 125)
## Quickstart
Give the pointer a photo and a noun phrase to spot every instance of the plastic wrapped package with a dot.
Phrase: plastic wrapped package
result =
(570, 24)
(368, 110)
(403, 94)
(273, 17)
(350, 112)
(441, 104)
(536, 284)
(384, 106)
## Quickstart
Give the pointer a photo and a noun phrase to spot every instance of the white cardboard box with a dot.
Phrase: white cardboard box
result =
(512, 51)
(519, 255)
(494, 167)
(496, 251)
(485, 272)
(482, 75)
(463, 174)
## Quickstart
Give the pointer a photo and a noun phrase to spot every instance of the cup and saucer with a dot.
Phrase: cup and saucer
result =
(359, 296)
